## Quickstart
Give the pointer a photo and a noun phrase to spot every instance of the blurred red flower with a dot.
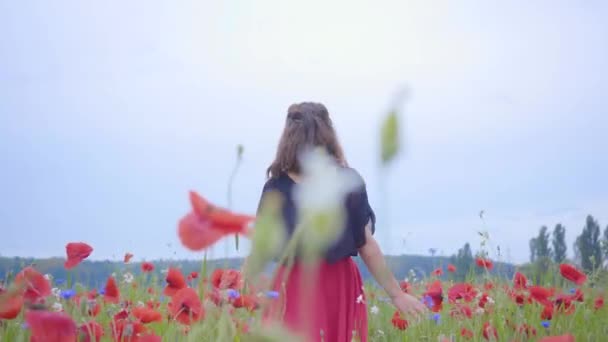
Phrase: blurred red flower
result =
(398, 321)
(573, 274)
(147, 266)
(76, 252)
(111, 291)
(175, 282)
(185, 306)
(50, 326)
(36, 286)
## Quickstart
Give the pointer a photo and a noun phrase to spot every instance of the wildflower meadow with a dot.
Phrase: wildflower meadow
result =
(140, 302)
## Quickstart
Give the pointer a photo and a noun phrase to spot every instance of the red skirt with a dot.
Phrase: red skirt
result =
(325, 304)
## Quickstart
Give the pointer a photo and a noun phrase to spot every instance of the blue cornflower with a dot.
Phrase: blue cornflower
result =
(233, 294)
(59, 281)
(24, 326)
(436, 317)
(545, 324)
(272, 294)
(573, 290)
(428, 301)
(67, 294)
(102, 291)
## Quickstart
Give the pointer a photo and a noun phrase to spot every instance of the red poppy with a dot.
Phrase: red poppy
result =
(562, 338)
(175, 281)
(466, 333)
(147, 266)
(483, 300)
(50, 326)
(489, 332)
(226, 279)
(152, 304)
(488, 286)
(564, 304)
(437, 272)
(520, 281)
(484, 263)
(122, 314)
(463, 291)
(193, 275)
(128, 257)
(147, 315)
(90, 332)
(451, 268)
(573, 274)
(206, 224)
(76, 252)
(398, 321)
(547, 313)
(541, 294)
(246, 301)
(578, 296)
(526, 331)
(405, 286)
(111, 291)
(11, 302)
(36, 286)
(598, 303)
(434, 292)
(186, 307)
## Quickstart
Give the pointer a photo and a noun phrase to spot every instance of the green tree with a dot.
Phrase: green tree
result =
(463, 261)
(589, 246)
(559, 243)
(532, 250)
(605, 246)
(543, 248)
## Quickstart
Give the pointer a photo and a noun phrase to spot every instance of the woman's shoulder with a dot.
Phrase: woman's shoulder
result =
(352, 172)
(278, 182)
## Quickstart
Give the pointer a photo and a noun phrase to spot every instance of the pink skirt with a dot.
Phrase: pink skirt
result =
(326, 303)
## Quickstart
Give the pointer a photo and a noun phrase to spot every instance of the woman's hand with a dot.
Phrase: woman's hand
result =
(408, 304)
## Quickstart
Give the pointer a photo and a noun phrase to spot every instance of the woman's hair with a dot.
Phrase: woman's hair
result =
(307, 126)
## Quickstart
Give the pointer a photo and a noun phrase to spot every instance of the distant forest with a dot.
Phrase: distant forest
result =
(546, 250)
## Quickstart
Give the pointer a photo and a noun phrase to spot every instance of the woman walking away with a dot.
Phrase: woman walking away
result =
(332, 308)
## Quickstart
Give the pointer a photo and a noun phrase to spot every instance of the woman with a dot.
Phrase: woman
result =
(332, 307)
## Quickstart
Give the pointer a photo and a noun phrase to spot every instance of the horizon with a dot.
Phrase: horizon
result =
(113, 112)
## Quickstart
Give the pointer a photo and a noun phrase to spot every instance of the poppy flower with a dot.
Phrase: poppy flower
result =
(398, 321)
(489, 332)
(541, 294)
(175, 282)
(466, 333)
(564, 304)
(488, 286)
(434, 296)
(484, 263)
(128, 257)
(153, 304)
(578, 296)
(226, 279)
(122, 314)
(206, 224)
(405, 286)
(11, 302)
(463, 291)
(90, 332)
(451, 268)
(36, 286)
(193, 275)
(520, 281)
(598, 303)
(483, 300)
(111, 291)
(185, 306)
(547, 313)
(147, 267)
(562, 338)
(572, 273)
(437, 272)
(48, 326)
(245, 301)
(76, 252)
(214, 296)
(147, 315)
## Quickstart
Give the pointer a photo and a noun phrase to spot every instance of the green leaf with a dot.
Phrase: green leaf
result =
(390, 137)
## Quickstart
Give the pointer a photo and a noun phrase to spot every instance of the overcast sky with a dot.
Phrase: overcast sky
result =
(110, 111)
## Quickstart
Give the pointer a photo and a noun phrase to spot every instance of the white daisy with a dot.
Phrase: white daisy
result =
(57, 307)
(374, 310)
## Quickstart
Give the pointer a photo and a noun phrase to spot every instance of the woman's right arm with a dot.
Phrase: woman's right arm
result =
(374, 259)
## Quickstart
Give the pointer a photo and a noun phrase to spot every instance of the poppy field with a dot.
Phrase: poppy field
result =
(141, 303)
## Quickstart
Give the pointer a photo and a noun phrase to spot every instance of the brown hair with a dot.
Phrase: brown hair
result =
(307, 125)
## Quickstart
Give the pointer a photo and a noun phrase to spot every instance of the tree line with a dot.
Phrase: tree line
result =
(590, 247)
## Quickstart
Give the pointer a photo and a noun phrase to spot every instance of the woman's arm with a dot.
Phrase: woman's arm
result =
(374, 259)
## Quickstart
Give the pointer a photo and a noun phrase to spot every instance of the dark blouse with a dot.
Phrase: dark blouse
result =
(358, 210)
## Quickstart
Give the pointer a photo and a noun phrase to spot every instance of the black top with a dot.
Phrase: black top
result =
(358, 214)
